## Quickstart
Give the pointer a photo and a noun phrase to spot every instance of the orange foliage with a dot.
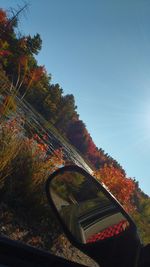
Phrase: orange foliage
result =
(36, 74)
(22, 61)
(3, 17)
(22, 65)
(23, 43)
(46, 161)
(119, 185)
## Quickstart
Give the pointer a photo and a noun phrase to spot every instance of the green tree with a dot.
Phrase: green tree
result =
(77, 135)
(66, 113)
(34, 44)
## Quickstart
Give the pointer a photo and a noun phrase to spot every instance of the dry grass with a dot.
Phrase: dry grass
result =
(10, 145)
(24, 166)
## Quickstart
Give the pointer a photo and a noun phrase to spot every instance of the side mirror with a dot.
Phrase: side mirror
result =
(92, 218)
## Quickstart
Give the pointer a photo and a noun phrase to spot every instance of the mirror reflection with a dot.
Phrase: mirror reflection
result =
(87, 212)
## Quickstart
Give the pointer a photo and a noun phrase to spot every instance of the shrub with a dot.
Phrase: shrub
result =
(10, 144)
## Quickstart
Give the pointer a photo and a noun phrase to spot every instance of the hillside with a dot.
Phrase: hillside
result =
(22, 187)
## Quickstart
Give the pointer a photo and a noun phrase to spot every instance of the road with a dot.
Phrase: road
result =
(42, 127)
(54, 140)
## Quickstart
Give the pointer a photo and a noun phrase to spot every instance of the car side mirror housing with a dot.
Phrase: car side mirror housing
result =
(92, 219)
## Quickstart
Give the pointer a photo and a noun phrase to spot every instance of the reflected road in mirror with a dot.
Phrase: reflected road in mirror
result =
(86, 211)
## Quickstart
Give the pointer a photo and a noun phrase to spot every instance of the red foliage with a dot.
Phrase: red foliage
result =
(3, 17)
(91, 146)
(37, 73)
(40, 150)
(81, 139)
(119, 185)
(22, 60)
(5, 53)
(34, 75)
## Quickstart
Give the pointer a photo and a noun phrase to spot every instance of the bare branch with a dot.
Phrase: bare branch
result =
(15, 15)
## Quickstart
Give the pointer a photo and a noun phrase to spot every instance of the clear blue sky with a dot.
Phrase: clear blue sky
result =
(99, 50)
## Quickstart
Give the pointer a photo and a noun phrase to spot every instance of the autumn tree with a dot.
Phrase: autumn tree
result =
(3, 18)
(119, 185)
(66, 113)
(77, 135)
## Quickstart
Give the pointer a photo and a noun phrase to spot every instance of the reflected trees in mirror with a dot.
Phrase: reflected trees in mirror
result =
(85, 209)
